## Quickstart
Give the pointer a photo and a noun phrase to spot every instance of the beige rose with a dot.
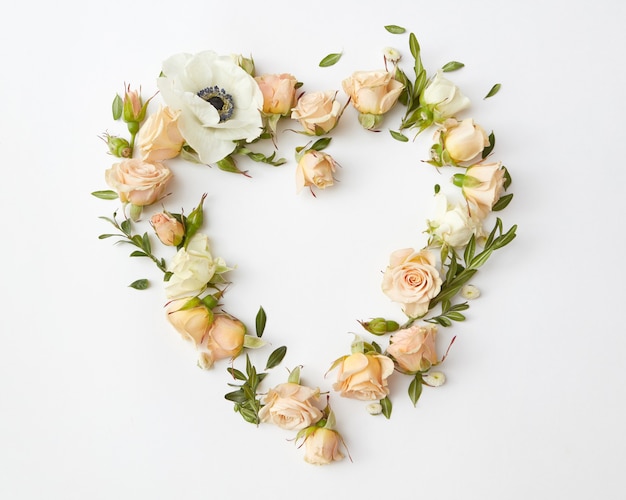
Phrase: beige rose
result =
(364, 376)
(323, 446)
(225, 337)
(279, 93)
(190, 318)
(290, 406)
(168, 229)
(138, 182)
(412, 280)
(452, 224)
(159, 138)
(315, 168)
(372, 92)
(483, 184)
(464, 140)
(317, 112)
(413, 349)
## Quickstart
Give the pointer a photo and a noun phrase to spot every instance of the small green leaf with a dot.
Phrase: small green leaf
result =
(494, 90)
(492, 144)
(117, 107)
(455, 316)
(398, 136)
(387, 406)
(452, 66)
(415, 388)
(237, 374)
(276, 357)
(414, 46)
(396, 30)
(138, 253)
(105, 236)
(140, 284)
(261, 320)
(330, 59)
(321, 144)
(105, 195)
(236, 396)
(502, 202)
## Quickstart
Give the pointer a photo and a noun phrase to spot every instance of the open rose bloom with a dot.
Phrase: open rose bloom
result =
(464, 140)
(317, 112)
(291, 406)
(159, 138)
(364, 376)
(138, 182)
(372, 92)
(279, 93)
(483, 184)
(413, 349)
(412, 280)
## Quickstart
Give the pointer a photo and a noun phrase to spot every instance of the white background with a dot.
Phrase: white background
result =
(101, 399)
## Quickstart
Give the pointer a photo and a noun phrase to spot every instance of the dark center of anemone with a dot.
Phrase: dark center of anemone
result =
(220, 100)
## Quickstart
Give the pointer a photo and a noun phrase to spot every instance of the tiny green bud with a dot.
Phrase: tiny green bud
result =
(194, 220)
(370, 121)
(380, 326)
(118, 146)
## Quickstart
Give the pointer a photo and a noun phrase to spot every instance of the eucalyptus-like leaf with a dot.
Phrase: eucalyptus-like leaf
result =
(386, 405)
(106, 194)
(276, 357)
(494, 90)
(141, 284)
(415, 388)
(330, 60)
(398, 136)
(117, 107)
(503, 202)
(452, 66)
(260, 321)
(396, 30)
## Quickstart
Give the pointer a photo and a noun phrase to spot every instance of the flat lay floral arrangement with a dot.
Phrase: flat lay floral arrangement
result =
(214, 110)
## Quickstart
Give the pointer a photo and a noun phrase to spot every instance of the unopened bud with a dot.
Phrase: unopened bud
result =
(434, 379)
(380, 326)
(374, 408)
(118, 146)
(168, 229)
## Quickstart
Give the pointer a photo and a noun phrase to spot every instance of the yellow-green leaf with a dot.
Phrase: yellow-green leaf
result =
(330, 59)
(494, 90)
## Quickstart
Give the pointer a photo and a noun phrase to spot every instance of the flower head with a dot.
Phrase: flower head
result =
(219, 102)
(291, 406)
(363, 376)
(413, 349)
(315, 168)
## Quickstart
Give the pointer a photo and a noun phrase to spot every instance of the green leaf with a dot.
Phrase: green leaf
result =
(414, 46)
(237, 374)
(105, 236)
(125, 226)
(276, 357)
(140, 284)
(396, 30)
(387, 406)
(398, 136)
(502, 202)
(415, 388)
(236, 396)
(321, 144)
(455, 316)
(492, 143)
(117, 107)
(494, 90)
(105, 195)
(138, 253)
(330, 59)
(452, 66)
(507, 178)
(468, 255)
(260, 321)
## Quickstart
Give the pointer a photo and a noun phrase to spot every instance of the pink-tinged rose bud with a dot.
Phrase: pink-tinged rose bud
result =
(225, 337)
(315, 168)
(364, 376)
(190, 317)
(317, 112)
(482, 186)
(138, 182)
(372, 92)
(159, 138)
(279, 93)
(412, 280)
(134, 109)
(464, 140)
(168, 229)
(291, 406)
(323, 446)
(413, 349)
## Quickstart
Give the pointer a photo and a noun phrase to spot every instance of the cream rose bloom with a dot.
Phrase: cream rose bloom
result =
(290, 406)
(138, 182)
(322, 446)
(190, 318)
(219, 102)
(414, 349)
(315, 168)
(317, 112)
(464, 140)
(452, 224)
(443, 97)
(364, 376)
(279, 93)
(482, 187)
(372, 92)
(159, 138)
(412, 280)
(192, 268)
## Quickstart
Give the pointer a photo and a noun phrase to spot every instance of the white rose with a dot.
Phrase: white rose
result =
(192, 268)
(452, 223)
(219, 102)
(444, 97)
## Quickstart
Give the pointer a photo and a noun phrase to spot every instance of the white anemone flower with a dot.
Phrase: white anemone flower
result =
(219, 102)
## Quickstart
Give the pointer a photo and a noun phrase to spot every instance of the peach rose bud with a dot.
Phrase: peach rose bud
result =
(190, 317)
(279, 93)
(322, 446)
(168, 229)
